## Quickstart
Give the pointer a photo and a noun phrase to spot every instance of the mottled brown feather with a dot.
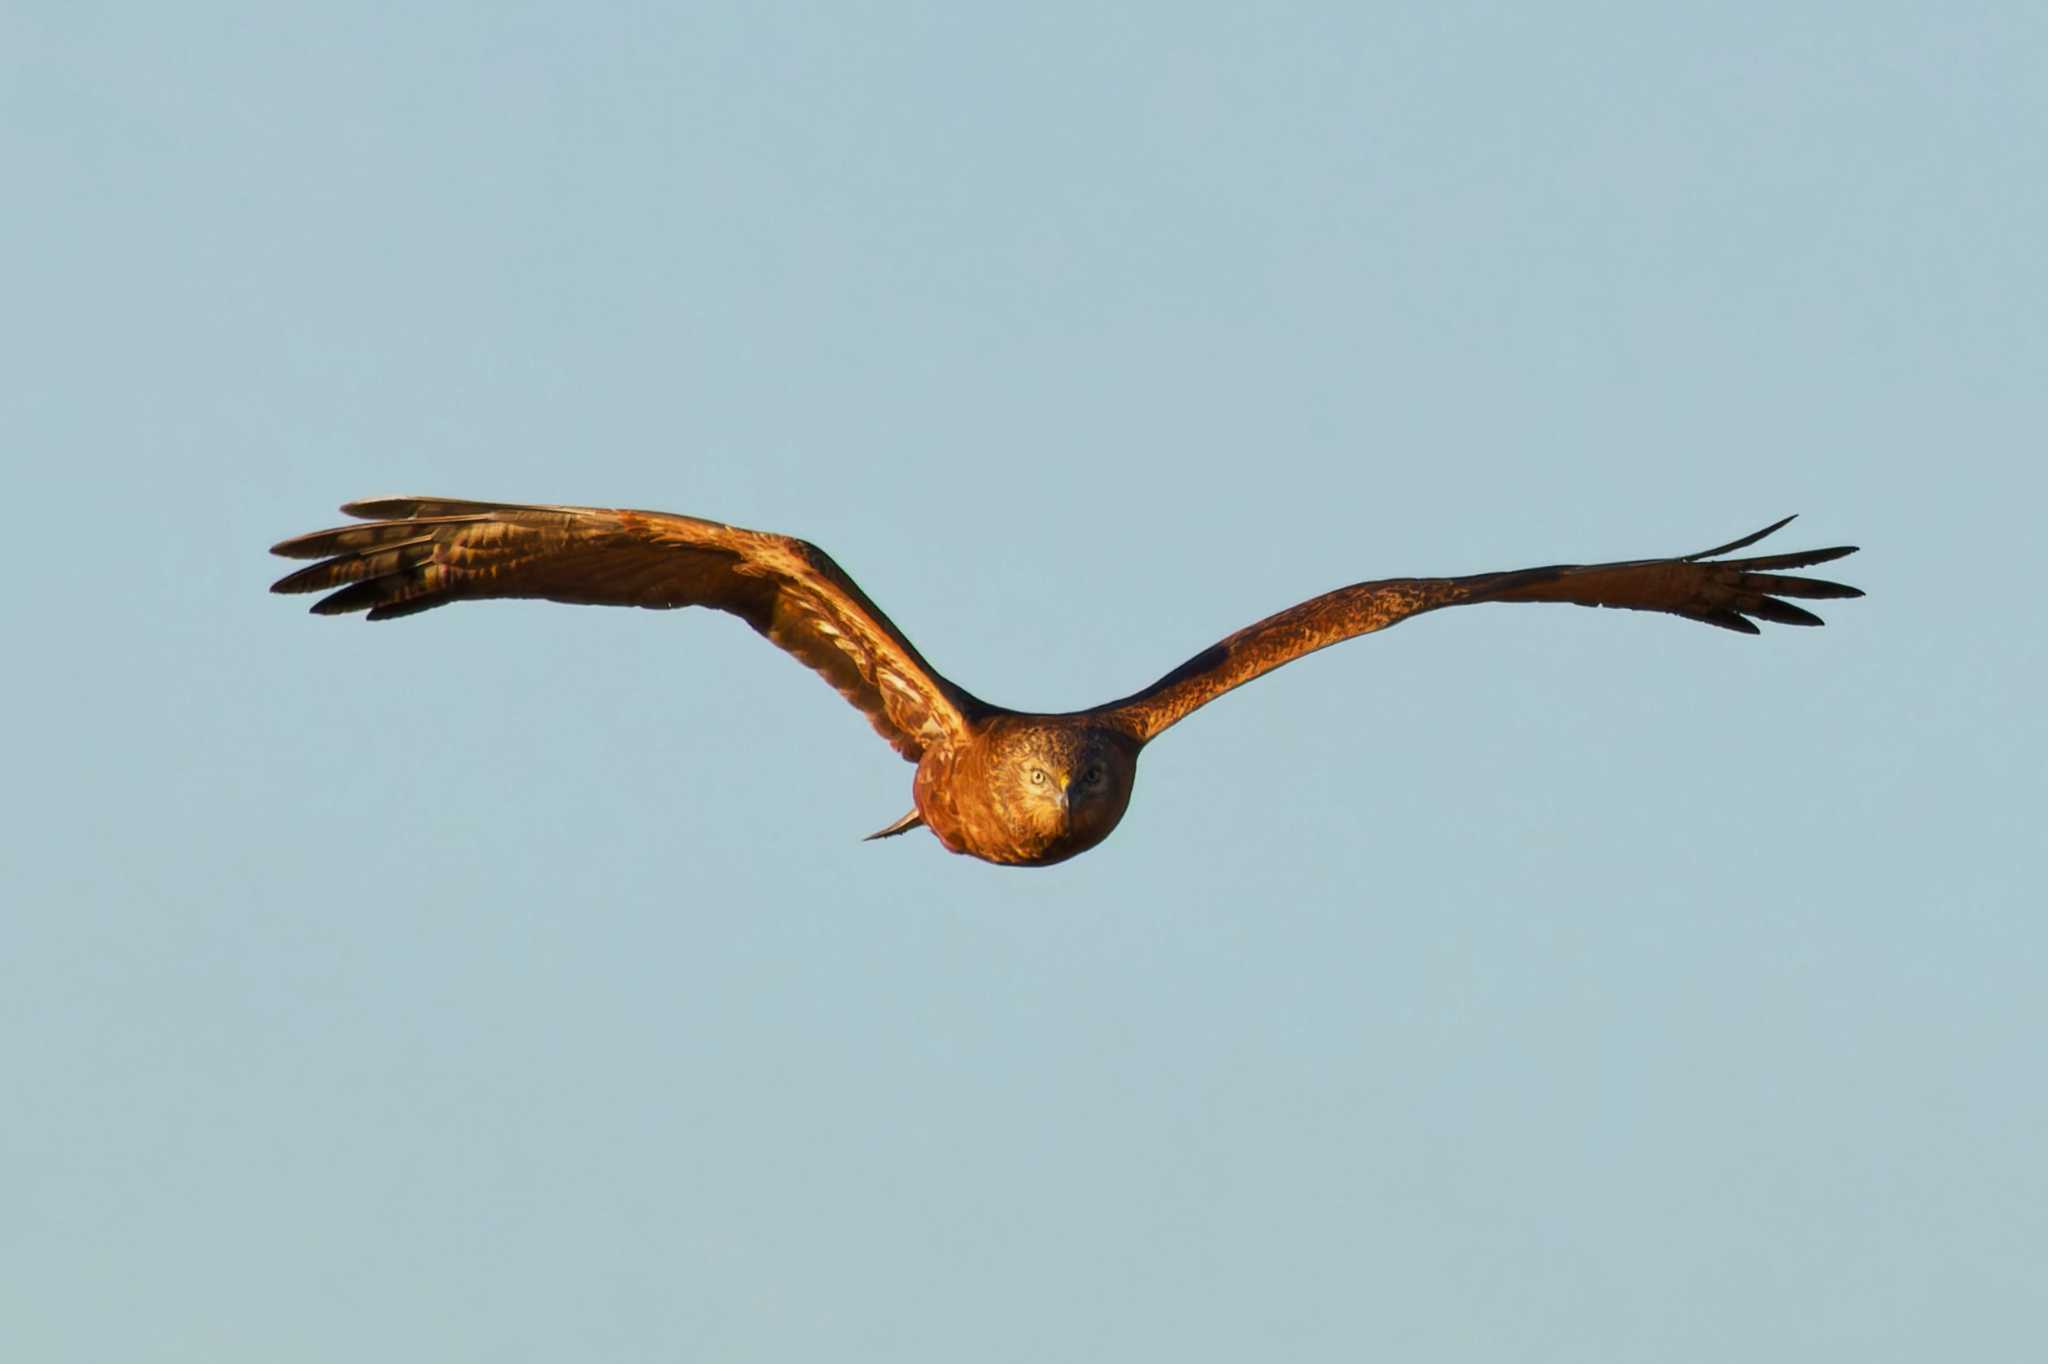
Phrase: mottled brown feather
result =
(413, 554)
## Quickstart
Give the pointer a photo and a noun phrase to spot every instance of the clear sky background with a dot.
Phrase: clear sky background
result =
(510, 983)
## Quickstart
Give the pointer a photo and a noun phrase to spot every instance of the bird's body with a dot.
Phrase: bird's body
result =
(1027, 790)
(1005, 786)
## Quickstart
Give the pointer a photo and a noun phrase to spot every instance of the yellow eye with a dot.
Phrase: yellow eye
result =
(1038, 777)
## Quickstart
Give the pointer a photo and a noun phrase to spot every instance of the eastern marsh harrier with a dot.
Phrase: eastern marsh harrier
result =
(1002, 785)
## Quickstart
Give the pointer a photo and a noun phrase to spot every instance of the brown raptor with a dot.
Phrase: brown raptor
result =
(1003, 785)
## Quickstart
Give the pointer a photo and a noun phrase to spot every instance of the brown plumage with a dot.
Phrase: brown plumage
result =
(1006, 786)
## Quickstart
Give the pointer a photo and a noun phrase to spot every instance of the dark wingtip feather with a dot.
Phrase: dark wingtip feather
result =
(301, 546)
(412, 507)
(1746, 540)
(355, 597)
(1727, 620)
(411, 606)
(383, 508)
(382, 598)
(311, 578)
(1782, 612)
(1780, 585)
(1799, 558)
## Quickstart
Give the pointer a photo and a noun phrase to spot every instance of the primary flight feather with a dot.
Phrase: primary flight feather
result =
(1006, 786)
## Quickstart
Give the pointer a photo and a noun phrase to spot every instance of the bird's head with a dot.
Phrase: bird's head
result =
(1061, 787)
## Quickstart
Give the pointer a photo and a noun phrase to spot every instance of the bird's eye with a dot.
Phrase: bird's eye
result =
(1038, 777)
(1093, 776)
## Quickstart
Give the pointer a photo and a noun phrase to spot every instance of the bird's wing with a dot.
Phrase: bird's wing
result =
(1727, 593)
(415, 553)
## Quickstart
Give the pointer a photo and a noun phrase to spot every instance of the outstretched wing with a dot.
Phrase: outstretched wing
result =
(416, 553)
(1727, 593)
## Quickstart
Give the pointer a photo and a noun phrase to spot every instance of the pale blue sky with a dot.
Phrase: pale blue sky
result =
(510, 983)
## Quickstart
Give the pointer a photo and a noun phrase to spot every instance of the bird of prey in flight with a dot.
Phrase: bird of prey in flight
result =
(1007, 786)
